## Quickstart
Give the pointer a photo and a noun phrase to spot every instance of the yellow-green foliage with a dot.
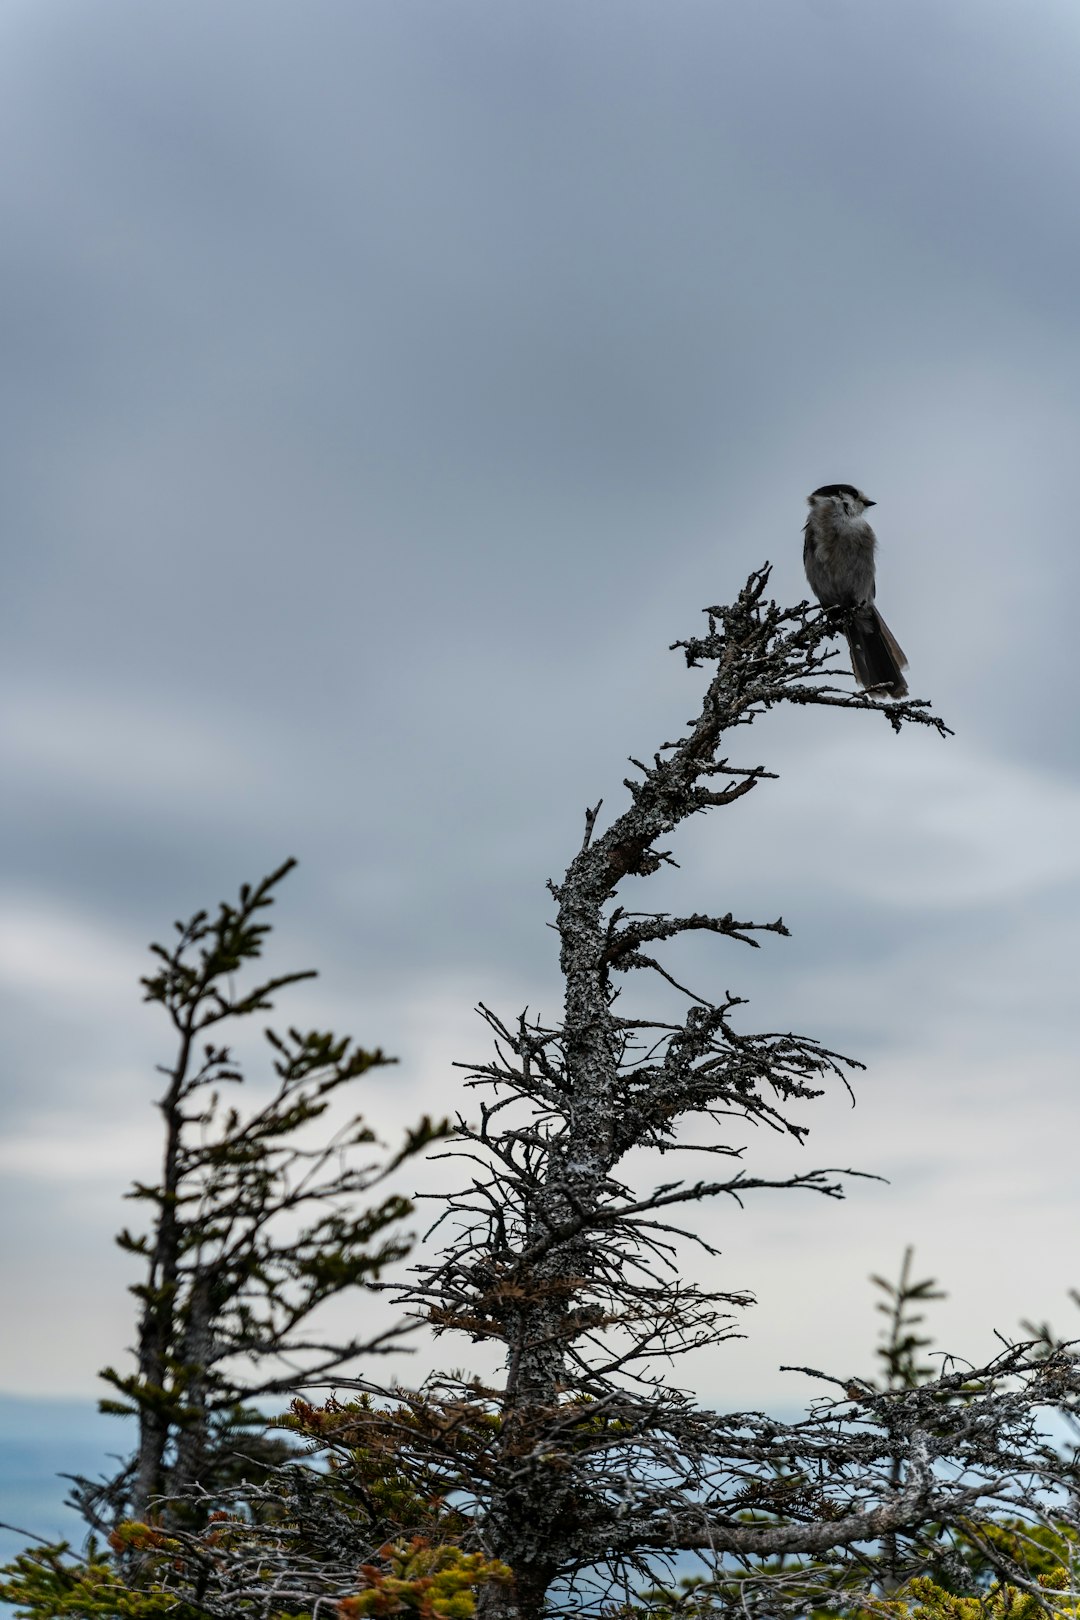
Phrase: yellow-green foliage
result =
(1045, 1556)
(45, 1582)
(1039, 1549)
(424, 1581)
(922, 1599)
(414, 1579)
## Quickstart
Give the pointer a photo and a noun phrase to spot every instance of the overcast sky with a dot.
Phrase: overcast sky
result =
(386, 384)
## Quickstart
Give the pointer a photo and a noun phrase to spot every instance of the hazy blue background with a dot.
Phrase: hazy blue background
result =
(385, 386)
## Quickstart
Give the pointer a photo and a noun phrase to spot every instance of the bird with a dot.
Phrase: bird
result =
(838, 555)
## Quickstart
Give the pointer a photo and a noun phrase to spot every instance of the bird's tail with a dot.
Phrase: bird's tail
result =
(876, 656)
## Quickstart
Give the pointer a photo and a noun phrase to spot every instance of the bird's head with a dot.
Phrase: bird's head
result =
(842, 498)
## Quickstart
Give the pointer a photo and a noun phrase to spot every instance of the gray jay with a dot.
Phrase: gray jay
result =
(838, 554)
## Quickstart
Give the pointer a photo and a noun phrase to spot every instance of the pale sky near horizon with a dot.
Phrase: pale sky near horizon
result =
(386, 387)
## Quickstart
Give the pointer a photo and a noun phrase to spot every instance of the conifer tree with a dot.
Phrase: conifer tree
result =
(256, 1222)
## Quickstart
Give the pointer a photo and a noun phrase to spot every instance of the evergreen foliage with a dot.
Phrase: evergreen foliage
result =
(902, 1343)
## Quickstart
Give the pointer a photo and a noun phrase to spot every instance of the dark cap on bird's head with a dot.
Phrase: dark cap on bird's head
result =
(842, 489)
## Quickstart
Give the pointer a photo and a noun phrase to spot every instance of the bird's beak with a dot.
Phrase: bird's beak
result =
(869, 503)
